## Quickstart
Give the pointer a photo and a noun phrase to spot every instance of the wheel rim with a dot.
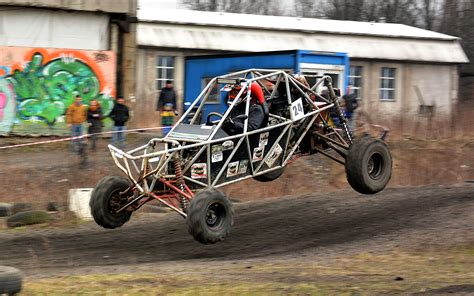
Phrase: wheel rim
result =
(215, 215)
(116, 202)
(375, 165)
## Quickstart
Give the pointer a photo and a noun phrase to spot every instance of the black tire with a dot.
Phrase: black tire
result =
(210, 216)
(107, 191)
(5, 210)
(368, 165)
(270, 176)
(10, 280)
(27, 218)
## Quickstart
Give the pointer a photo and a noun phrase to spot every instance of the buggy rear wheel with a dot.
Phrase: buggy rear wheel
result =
(210, 216)
(106, 199)
(270, 176)
(368, 165)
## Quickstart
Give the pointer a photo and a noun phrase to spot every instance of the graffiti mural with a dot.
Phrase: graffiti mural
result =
(38, 85)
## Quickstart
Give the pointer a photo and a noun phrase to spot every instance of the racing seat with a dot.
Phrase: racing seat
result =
(266, 113)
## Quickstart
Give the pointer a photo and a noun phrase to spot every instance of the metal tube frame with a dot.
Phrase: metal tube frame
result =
(154, 164)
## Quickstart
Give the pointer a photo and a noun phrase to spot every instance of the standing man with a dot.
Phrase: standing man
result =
(351, 104)
(94, 118)
(167, 96)
(120, 116)
(166, 104)
(76, 115)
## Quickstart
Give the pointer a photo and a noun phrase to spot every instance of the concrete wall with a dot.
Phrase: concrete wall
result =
(438, 85)
(37, 85)
(144, 108)
(108, 6)
(40, 27)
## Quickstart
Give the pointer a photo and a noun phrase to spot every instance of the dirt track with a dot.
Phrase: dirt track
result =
(316, 226)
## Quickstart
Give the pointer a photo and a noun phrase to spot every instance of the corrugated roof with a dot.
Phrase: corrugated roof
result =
(253, 40)
(204, 18)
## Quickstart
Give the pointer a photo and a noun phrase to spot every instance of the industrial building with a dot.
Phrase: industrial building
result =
(398, 71)
(51, 51)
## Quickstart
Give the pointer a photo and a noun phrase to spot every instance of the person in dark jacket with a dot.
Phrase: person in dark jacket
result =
(351, 104)
(120, 116)
(235, 122)
(167, 96)
(94, 119)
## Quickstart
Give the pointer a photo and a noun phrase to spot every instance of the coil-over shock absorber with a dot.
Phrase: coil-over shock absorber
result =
(338, 109)
(178, 171)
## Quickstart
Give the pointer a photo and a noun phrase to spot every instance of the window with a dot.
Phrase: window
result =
(387, 84)
(215, 95)
(164, 70)
(355, 79)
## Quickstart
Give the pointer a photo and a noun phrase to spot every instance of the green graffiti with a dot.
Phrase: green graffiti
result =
(45, 91)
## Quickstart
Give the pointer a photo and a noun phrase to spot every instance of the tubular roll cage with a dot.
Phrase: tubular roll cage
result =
(154, 165)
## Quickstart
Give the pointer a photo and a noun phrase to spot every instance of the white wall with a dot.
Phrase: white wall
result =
(32, 27)
(438, 85)
(146, 93)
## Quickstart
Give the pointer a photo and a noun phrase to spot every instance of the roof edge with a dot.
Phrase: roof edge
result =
(309, 31)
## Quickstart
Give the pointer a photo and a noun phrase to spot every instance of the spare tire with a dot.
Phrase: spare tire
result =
(28, 218)
(5, 209)
(368, 165)
(10, 280)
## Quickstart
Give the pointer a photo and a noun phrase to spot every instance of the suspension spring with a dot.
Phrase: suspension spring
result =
(340, 114)
(178, 171)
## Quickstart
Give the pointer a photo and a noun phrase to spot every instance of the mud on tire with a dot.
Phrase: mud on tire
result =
(106, 199)
(10, 280)
(210, 216)
(368, 165)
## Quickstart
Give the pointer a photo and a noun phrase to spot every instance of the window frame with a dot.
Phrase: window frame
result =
(352, 80)
(213, 98)
(162, 71)
(383, 78)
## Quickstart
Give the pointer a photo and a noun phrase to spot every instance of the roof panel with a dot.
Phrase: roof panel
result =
(253, 40)
(285, 23)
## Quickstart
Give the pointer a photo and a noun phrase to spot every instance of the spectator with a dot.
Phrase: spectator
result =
(94, 118)
(76, 115)
(120, 116)
(167, 96)
(167, 118)
(351, 104)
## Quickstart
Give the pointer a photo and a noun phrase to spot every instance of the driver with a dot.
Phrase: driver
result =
(234, 123)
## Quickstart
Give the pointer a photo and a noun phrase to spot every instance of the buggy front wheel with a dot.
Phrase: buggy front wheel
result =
(210, 216)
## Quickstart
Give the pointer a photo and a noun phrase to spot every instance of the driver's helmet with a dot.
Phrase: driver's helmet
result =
(234, 91)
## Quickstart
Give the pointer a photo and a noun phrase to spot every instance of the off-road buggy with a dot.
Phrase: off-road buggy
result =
(184, 169)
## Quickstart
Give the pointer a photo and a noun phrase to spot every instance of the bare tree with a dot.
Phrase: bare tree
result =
(268, 7)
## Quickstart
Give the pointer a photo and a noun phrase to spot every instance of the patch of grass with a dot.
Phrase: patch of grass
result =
(396, 272)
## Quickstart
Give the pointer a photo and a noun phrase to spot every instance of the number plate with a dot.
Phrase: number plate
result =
(297, 111)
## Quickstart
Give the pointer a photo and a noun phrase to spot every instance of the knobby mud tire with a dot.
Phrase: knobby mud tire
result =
(368, 165)
(270, 176)
(10, 280)
(210, 216)
(107, 188)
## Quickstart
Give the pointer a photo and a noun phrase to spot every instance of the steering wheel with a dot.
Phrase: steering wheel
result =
(208, 120)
